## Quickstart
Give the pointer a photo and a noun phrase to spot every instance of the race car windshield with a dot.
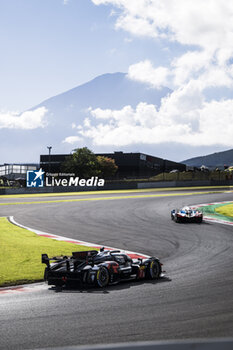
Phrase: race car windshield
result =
(120, 259)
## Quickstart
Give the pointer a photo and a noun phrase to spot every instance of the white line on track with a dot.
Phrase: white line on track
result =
(70, 240)
(23, 288)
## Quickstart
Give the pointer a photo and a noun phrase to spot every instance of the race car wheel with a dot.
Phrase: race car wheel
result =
(102, 277)
(46, 274)
(154, 269)
(177, 219)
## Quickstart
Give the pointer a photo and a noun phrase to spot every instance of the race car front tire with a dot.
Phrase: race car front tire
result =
(102, 277)
(153, 270)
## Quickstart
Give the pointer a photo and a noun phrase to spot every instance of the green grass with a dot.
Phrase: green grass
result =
(221, 211)
(20, 253)
(191, 176)
(226, 210)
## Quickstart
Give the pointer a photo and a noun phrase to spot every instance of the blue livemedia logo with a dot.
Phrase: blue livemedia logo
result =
(35, 178)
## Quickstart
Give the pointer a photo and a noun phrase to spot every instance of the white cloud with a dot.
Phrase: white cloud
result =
(188, 67)
(28, 120)
(72, 139)
(207, 25)
(205, 30)
(204, 123)
(145, 72)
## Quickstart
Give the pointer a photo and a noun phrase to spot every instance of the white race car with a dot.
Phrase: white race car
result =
(186, 214)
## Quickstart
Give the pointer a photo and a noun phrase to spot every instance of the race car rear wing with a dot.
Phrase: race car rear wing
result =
(80, 256)
(46, 260)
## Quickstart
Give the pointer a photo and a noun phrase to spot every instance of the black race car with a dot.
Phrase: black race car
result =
(186, 214)
(98, 268)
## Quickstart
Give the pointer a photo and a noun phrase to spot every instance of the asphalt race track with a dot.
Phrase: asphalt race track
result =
(195, 301)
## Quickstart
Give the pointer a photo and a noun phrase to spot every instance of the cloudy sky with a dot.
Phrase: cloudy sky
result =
(48, 47)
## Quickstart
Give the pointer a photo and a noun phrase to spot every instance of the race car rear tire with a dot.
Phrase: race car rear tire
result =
(154, 270)
(102, 277)
(46, 274)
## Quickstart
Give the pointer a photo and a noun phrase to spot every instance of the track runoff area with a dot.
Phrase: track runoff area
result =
(209, 211)
(163, 304)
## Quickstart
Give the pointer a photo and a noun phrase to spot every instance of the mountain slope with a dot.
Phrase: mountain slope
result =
(213, 160)
(108, 91)
(113, 91)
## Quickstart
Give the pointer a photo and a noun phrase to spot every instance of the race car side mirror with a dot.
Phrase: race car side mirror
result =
(102, 249)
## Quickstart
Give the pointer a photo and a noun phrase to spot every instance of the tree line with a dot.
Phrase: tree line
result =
(85, 164)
